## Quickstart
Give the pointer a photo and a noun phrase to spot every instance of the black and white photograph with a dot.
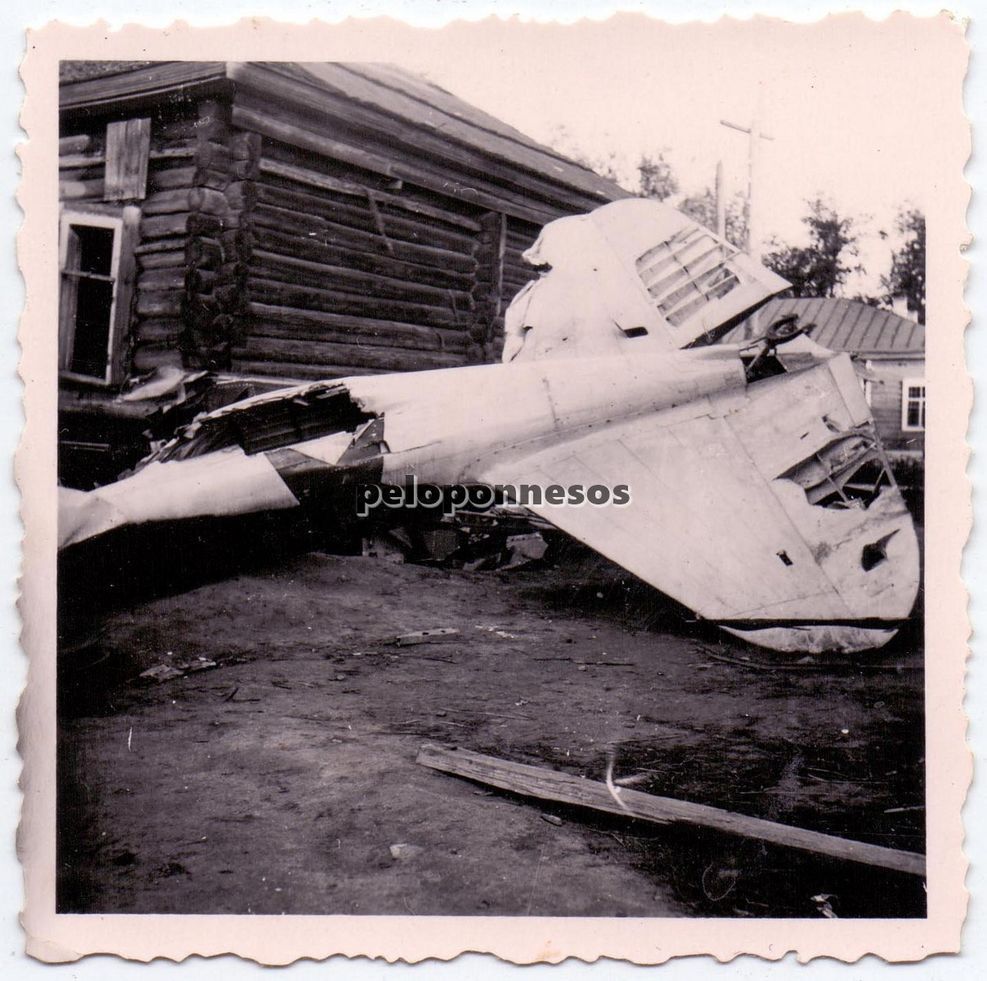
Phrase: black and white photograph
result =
(497, 493)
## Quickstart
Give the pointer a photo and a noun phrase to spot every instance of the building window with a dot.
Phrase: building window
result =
(90, 260)
(96, 262)
(867, 382)
(913, 404)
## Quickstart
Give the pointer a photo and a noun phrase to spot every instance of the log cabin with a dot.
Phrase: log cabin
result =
(226, 228)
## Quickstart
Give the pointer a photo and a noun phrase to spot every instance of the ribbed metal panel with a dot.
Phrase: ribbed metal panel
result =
(843, 325)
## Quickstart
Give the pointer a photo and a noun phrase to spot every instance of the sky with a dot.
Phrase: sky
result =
(854, 106)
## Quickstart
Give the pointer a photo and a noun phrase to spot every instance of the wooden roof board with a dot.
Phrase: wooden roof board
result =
(147, 80)
(421, 104)
(844, 325)
(78, 71)
(426, 91)
(383, 88)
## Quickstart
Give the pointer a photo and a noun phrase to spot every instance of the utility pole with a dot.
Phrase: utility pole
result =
(755, 136)
(721, 205)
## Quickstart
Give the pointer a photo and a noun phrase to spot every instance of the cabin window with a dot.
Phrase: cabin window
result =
(913, 404)
(95, 295)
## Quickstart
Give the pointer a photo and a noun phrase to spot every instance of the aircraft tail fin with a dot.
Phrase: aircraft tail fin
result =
(633, 277)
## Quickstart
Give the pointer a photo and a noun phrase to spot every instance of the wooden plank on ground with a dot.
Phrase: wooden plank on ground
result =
(545, 784)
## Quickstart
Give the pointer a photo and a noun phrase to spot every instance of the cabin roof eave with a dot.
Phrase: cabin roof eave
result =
(124, 89)
(129, 88)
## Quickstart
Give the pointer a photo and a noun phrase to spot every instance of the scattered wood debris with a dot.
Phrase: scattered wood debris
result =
(424, 636)
(166, 672)
(498, 631)
(584, 664)
(161, 672)
(525, 550)
(385, 548)
(545, 784)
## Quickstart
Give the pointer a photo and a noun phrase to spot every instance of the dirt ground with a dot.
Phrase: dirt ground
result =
(281, 780)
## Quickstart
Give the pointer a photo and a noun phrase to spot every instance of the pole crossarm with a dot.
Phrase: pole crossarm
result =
(754, 135)
(744, 129)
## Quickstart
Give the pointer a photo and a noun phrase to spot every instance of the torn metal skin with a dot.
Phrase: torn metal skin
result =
(761, 497)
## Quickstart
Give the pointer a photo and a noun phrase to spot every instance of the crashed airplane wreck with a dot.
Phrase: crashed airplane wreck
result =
(761, 497)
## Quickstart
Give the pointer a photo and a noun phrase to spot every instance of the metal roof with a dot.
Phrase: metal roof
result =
(841, 325)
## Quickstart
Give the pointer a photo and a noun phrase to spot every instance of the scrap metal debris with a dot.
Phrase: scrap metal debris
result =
(759, 494)
(525, 550)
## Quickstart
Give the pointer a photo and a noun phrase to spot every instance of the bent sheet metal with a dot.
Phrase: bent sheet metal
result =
(761, 495)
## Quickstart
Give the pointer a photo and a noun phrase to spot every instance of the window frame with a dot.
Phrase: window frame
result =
(123, 221)
(868, 383)
(907, 401)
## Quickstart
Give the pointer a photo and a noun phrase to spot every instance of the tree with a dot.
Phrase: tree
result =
(605, 167)
(656, 179)
(907, 277)
(562, 141)
(701, 207)
(822, 267)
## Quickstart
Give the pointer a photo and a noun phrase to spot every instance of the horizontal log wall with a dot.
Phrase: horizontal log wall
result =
(517, 273)
(488, 290)
(309, 135)
(81, 168)
(172, 186)
(350, 273)
(272, 243)
(286, 104)
(190, 291)
(191, 285)
(161, 255)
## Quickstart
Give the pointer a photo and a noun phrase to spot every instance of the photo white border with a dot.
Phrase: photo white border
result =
(943, 364)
